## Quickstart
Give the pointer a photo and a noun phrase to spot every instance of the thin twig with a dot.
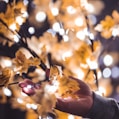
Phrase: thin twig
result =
(91, 46)
(14, 83)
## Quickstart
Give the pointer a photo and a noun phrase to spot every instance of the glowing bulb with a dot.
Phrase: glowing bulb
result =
(28, 106)
(90, 8)
(41, 16)
(55, 11)
(81, 35)
(61, 31)
(66, 55)
(25, 14)
(7, 92)
(102, 90)
(71, 10)
(52, 88)
(115, 32)
(115, 72)
(106, 72)
(25, 2)
(19, 100)
(92, 64)
(65, 38)
(79, 21)
(71, 116)
(19, 20)
(33, 106)
(6, 1)
(6, 63)
(79, 73)
(16, 39)
(108, 60)
(91, 36)
(56, 27)
(13, 27)
(99, 74)
(23, 94)
(31, 30)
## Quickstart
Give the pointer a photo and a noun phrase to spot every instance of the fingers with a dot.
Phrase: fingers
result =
(74, 106)
(84, 88)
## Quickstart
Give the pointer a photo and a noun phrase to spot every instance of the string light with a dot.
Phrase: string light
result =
(71, 10)
(108, 60)
(79, 21)
(107, 72)
(7, 92)
(13, 27)
(55, 11)
(115, 72)
(31, 30)
(56, 27)
(19, 20)
(41, 16)
(19, 100)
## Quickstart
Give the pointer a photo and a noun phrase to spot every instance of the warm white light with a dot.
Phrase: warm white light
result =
(33, 106)
(41, 16)
(25, 14)
(28, 106)
(92, 19)
(56, 27)
(52, 88)
(19, 20)
(67, 54)
(99, 28)
(79, 21)
(16, 39)
(6, 1)
(99, 74)
(19, 100)
(71, 10)
(7, 91)
(115, 32)
(25, 2)
(13, 27)
(108, 60)
(90, 8)
(101, 91)
(61, 31)
(55, 11)
(107, 72)
(31, 30)
(79, 73)
(24, 94)
(91, 36)
(92, 64)
(6, 63)
(71, 116)
(65, 38)
(81, 35)
(115, 72)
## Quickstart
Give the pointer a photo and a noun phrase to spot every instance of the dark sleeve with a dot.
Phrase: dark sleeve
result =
(103, 108)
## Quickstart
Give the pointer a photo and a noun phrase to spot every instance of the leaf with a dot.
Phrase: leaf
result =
(5, 76)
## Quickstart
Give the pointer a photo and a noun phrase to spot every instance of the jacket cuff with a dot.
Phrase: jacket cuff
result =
(101, 108)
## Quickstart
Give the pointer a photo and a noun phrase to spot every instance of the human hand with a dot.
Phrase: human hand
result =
(77, 106)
